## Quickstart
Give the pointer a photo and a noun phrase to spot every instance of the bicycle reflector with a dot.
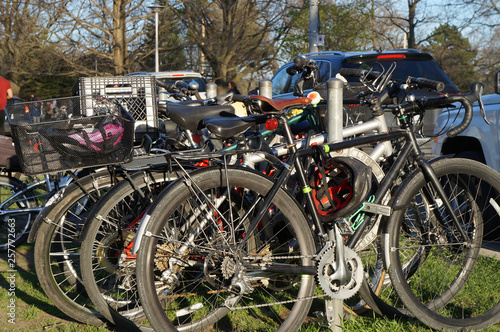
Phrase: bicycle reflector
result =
(339, 186)
(271, 124)
(315, 97)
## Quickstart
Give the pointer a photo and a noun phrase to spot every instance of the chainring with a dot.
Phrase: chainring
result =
(327, 268)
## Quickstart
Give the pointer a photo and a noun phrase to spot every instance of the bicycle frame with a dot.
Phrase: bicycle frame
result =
(410, 148)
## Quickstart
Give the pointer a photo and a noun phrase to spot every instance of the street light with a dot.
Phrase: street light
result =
(156, 9)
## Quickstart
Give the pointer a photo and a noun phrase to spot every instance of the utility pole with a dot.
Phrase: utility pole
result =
(313, 25)
(156, 8)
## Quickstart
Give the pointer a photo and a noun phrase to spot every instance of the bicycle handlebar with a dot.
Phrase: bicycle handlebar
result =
(180, 89)
(466, 100)
(425, 83)
(166, 86)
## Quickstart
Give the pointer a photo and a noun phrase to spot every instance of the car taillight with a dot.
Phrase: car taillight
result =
(271, 124)
(391, 57)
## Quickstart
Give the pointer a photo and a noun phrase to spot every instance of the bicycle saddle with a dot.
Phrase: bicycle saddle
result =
(190, 117)
(226, 127)
(274, 105)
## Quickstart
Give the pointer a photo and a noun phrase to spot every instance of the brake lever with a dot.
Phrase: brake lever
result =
(481, 106)
(482, 110)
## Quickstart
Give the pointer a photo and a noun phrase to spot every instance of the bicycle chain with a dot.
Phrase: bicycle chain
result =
(281, 257)
(277, 303)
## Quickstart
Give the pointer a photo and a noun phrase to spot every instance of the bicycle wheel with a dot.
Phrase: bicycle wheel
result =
(200, 265)
(108, 267)
(453, 282)
(15, 221)
(57, 248)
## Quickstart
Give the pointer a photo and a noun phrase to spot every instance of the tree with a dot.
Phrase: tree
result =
(172, 40)
(104, 32)
(236, 37)
(396, 23)
(454, 54)
(26, 50)
(345, 26)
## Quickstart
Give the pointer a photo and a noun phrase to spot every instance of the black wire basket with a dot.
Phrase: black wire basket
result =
(52, 135)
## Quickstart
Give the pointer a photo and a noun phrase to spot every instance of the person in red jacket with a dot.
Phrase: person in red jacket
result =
(5, 94)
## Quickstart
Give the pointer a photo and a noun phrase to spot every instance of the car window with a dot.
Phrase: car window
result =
(284, 83)
(281, 80)
(415, 68)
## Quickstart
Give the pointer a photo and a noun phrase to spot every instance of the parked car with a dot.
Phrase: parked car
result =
(480, 141)
(173, 76)
(409, 62)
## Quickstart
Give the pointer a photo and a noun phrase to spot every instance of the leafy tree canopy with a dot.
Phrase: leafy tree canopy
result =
(454, 54)
(346, 26)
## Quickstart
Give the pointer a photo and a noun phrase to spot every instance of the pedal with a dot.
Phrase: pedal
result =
(345, 227)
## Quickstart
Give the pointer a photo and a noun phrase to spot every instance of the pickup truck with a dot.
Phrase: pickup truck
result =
(479, 141)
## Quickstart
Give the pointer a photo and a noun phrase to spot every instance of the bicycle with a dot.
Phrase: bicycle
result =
(23, 196)
(215, 235)
(58, 289)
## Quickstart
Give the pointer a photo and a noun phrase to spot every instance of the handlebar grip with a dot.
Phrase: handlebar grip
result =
(182, 85)
(425, 83)
(162, 109)
(166, 86)
(354, 72)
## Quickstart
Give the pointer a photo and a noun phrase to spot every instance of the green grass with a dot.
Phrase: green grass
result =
(35, 312)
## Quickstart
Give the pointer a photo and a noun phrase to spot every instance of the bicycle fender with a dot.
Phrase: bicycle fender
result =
(38, 222)
(41, 217)
(140, 232)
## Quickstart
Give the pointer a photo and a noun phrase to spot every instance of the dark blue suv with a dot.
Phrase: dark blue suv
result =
(409, 62)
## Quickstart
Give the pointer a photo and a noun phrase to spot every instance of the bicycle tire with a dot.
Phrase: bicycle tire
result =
(461, 273)
(57, 247)
(15, 225)
(284, 219)
(109, 279)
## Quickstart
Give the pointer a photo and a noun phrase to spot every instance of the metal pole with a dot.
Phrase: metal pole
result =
(156, 9)
(157, 60)
(211, 90)
(266, 88)
(334, 109)
(313, 25)
(334, 308)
